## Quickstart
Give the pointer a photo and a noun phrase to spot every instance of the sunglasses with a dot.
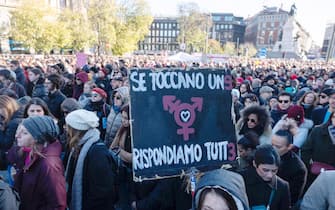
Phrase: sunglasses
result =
(66, 112)
(322, 96)
(117, 97)
(283, 101)
(251, 120)
(77, 78)
(2, 118)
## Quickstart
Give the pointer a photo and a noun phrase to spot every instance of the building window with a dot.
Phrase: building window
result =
(216, 18)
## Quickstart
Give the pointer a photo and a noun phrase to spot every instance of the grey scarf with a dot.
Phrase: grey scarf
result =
(90, 137)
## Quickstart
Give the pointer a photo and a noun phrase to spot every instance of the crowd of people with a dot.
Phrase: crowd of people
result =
(63, 126)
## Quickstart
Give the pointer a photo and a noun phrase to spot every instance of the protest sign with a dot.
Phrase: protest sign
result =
(180, 119)
(81, 59)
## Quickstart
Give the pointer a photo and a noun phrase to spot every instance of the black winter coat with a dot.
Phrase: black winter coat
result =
(7, 137)
(318, 115)
(294, 171)
(167, 194)
(259, 191)
(20, 77)
(37, 90)
(276, 115)
(54, 100)
(98, 186)
(318, 147)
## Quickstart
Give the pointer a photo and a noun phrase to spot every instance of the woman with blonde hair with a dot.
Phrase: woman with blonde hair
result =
(89, 171)
(10, 117)
(309, 101)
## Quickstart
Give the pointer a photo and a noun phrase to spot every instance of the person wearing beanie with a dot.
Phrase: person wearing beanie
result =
(39, 179)
(114, 119)
(89, 170)
(296, 124)
(221, 189)
(98, 105)
(261, 181)
(55, 97)
(78, 87)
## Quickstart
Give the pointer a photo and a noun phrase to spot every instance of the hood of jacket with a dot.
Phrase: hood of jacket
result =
(124, 92)
(229, 181)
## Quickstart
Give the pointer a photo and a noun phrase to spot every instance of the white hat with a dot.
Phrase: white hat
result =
(82, 119)
(329, 82)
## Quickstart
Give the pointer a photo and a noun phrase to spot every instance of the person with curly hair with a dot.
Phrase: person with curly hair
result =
(255, 118)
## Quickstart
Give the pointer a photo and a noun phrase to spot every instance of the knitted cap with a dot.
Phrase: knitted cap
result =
(100, 92)
(82, 119)
(297, 113)
(266, 89)
(82, 76)
(42, 128)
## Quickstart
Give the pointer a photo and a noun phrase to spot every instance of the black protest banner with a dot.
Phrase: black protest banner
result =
(180, 119)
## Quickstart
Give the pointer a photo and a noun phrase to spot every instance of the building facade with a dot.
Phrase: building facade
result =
(277, 32)
(328, 45)
(265, 28)
(162, 36)
(164, 31)
(227, 28)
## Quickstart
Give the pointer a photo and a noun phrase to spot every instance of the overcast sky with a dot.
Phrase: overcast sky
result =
(313, 15)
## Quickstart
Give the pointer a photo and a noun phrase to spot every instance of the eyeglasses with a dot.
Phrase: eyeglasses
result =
(95, 95)
(283, 101)
(251, 120)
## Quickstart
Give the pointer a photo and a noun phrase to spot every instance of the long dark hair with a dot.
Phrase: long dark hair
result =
(124, 130)
(39, 102)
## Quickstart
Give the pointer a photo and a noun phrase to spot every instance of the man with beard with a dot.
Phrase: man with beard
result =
(55, 97)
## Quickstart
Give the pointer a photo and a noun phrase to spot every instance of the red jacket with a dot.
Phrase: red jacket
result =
(41, 184)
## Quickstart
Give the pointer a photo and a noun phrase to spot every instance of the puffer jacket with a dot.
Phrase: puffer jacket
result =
(114, 118)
